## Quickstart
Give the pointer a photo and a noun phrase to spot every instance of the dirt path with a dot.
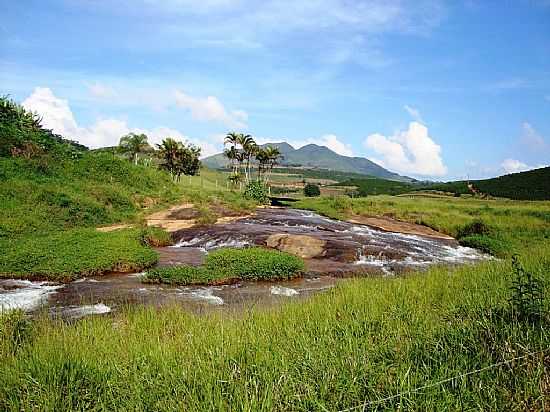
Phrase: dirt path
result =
(182, 216)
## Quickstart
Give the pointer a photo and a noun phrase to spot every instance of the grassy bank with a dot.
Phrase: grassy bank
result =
(49, 209)
(228, 265)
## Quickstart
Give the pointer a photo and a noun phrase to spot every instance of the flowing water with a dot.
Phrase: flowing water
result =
(348, 249)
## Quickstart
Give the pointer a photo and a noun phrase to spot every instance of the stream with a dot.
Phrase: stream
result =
(332, 249)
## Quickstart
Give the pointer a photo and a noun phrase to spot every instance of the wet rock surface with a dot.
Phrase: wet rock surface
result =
(333, 249)
(329, 246)
(304, 246)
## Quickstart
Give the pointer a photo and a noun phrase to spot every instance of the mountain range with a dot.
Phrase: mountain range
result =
(317, 157)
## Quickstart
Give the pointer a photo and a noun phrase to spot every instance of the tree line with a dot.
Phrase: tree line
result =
(172, 155)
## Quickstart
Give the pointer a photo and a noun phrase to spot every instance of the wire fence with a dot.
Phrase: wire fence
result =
(365, 406)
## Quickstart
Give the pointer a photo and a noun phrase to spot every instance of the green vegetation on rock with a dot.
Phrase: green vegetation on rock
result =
(227, 265)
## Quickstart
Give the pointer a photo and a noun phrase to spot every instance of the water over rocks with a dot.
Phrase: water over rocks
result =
(332, 249)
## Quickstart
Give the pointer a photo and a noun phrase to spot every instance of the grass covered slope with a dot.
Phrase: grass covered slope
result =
(53, 192)
(50, 207)
(95, 189)
(228, 265)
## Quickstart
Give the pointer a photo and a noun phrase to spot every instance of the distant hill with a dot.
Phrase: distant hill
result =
(317, 157)
(531, 185)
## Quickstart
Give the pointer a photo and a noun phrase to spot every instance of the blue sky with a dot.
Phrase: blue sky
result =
(429, 88)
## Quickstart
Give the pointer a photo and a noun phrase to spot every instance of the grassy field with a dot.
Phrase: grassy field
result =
(367, 339)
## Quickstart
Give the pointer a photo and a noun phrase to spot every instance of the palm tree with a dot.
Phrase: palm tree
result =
(232, 138)
(133, 145)
(250, 148)
(272, 156)
(232, 154)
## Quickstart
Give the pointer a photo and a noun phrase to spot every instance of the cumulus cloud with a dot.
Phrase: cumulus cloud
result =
(515, 166)
(211, 109)
(411, 151)
(336, 145)
(414, 113)
(55, 112)
(58, 116)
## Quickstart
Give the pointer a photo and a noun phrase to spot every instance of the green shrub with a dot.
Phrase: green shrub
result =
(477, 227)
(312, 190)
(225, 265)
(206, 216)
(155, 237)
(486, 244)
(257, 191)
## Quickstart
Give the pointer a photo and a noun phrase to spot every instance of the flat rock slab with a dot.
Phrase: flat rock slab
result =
(302, 246)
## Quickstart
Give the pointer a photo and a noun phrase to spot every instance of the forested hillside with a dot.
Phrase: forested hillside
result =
(531, 185)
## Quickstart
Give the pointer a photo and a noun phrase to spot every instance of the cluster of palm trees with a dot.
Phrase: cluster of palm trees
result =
(172, 155)
(244, 154)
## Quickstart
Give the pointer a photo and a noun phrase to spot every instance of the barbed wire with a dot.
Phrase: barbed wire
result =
(366, 404)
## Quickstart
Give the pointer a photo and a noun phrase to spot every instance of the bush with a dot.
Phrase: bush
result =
(257, 191)
(226, 265)
(477, 227)
(70, 254)
(486, 244)
(312, 190)
(155, 237)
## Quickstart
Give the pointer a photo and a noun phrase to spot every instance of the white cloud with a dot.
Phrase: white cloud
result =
(411, 151)
(101, 91)
(211, 109)
(57, 115)
(55, 112)
(333, 143)
(414, 113)
(531, 138)
(515, 166)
